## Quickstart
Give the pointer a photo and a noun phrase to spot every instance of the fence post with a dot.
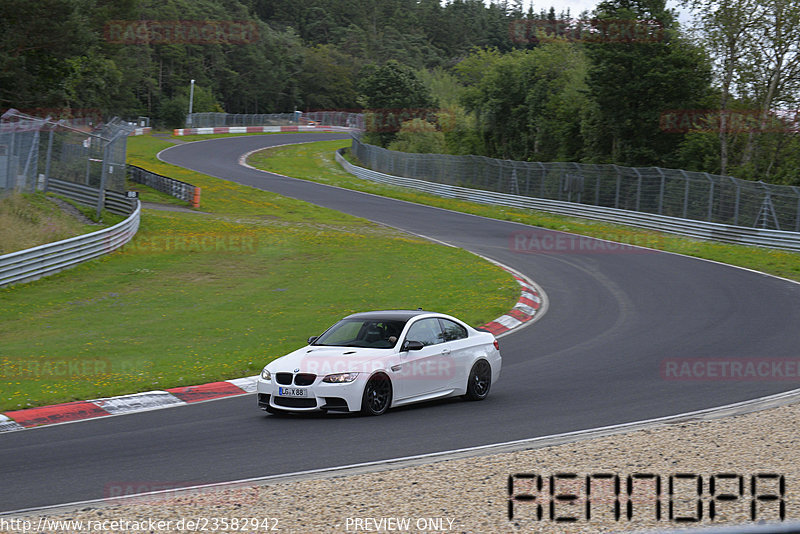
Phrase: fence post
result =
(583, 180)
(685, 193)
(597, 187)
(31, 149)
(661, 192)
(638, 187)
(541, 184)
(11, 174)
(47, 160)
(710, 195)
(736, 204)
(101, 193)
(616, 194)
(88, 145)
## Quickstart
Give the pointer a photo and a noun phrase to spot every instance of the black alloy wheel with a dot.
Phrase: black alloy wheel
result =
(377, 395)
(479, 381)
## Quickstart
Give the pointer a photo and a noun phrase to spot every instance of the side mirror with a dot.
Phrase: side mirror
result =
(312, 339)
(412, 345)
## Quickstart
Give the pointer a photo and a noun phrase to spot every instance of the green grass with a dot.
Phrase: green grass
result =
(206, 296)
(316, 162)
(32, 219)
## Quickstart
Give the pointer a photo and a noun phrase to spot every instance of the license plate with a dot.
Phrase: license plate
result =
(292, 392)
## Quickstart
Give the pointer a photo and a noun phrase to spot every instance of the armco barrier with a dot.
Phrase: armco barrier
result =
(180, 190)
(687, 227)
(51, 258)
(89, 196)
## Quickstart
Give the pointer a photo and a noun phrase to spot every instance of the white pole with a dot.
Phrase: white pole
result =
(191, 101)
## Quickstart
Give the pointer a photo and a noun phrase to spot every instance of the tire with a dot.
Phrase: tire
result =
(480, 381)
(377, 395)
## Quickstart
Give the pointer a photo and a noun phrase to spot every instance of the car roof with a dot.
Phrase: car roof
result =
(388, 315)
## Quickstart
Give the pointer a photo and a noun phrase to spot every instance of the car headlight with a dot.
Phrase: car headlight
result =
(340, 378)
(266, 375)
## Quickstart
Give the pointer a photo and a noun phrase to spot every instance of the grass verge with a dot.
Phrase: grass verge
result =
(200, 297)
(31, 219)
(316, 162)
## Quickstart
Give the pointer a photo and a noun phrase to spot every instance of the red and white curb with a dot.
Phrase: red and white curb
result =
(532, 303)
(136, 402)
(258, 129)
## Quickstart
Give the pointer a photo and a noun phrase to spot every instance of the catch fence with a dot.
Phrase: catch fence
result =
(669, 192)
(34, 151)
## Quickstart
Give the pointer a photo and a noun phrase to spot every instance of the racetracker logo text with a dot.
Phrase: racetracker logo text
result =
(182, 32)
(586, 31)
(731, 369)
(547, 242)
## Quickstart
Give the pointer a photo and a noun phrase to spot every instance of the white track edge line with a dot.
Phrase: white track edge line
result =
(738, 408)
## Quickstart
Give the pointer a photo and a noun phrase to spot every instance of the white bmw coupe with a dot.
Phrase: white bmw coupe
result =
(372, 361)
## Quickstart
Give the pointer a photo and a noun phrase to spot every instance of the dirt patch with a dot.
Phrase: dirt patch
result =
(71, 210)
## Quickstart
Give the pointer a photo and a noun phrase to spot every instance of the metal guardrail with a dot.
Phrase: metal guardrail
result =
(180, 190)
(89, 196)
(34, 263)
(687, 227)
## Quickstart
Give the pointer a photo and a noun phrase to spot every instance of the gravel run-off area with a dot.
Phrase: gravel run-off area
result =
(471, 494)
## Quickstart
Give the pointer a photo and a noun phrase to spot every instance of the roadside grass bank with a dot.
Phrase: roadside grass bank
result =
(316, 162)
(31, 219)
(214, 295)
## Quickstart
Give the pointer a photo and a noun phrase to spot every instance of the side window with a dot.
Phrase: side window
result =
(452, 331)
(426, 331)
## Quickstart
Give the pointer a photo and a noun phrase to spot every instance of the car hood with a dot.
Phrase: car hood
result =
(328, 360)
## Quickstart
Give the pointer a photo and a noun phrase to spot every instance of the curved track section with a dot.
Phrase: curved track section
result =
(594, 359)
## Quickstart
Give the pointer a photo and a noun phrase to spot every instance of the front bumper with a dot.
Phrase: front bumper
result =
(322, 396)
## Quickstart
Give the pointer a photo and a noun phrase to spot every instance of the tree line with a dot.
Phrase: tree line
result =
(624, 84)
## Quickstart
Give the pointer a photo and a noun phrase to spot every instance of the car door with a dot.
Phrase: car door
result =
(428, 369)
(455, 339)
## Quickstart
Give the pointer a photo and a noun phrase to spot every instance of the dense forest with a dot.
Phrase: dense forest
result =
(624, 84)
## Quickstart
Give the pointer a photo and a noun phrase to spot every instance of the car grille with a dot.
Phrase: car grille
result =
(304, 379)
(290, 402)
(284, 379)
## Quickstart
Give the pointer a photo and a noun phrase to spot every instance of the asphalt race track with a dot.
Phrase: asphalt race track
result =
(595, 359)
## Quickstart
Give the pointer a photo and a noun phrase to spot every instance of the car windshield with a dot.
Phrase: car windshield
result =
(365, 333)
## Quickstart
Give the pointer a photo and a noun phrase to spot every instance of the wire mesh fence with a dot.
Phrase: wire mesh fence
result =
(33, 150)
(672, 192)
(327, 118)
